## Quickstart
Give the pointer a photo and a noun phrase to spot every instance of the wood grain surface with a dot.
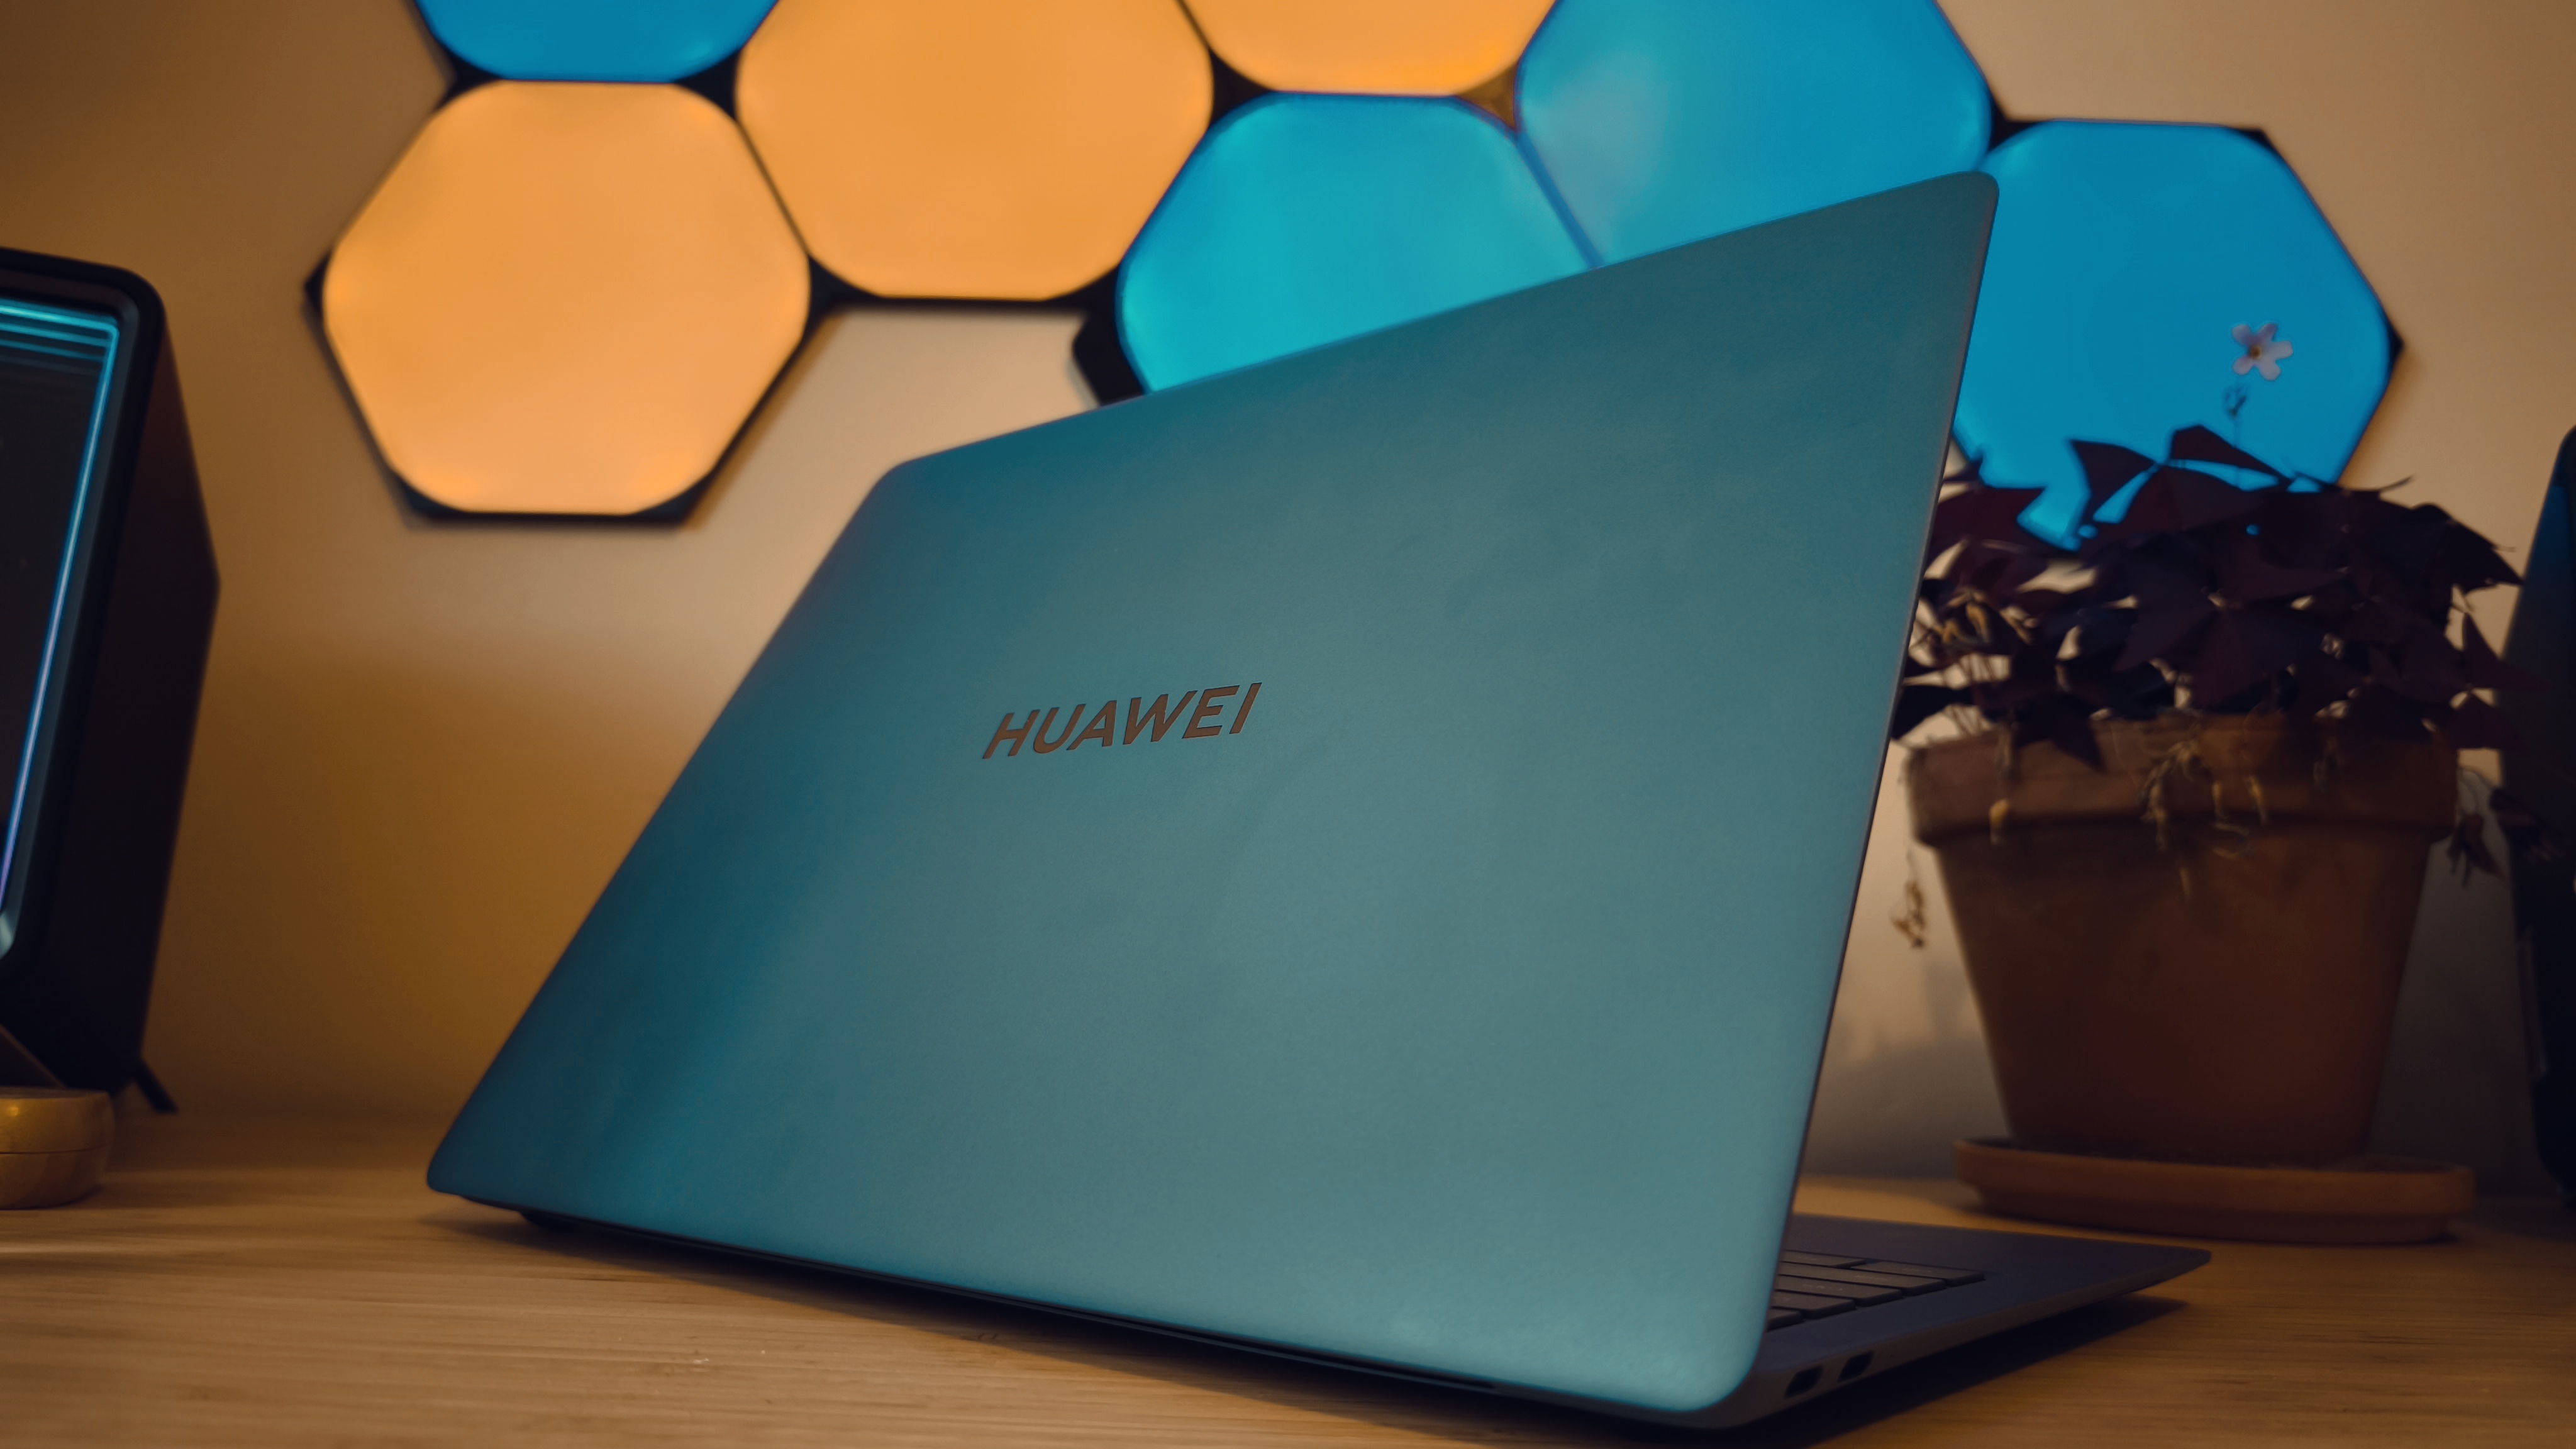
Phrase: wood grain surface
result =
(295, 1284)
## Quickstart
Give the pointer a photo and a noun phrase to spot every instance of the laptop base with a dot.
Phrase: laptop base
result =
(2022, 1278)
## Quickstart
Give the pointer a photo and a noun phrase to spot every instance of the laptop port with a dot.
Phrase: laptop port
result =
(1803, 1380)
(1853, 1367)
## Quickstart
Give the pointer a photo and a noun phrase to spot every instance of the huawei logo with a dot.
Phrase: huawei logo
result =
(1146, 724)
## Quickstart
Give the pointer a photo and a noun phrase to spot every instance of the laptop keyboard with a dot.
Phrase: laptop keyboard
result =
(1819, 1285)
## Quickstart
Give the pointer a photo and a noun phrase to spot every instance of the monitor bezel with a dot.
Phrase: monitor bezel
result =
(28, 826)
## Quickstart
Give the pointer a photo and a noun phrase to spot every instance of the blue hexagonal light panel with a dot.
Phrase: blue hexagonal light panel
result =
(2125, 256)
(1305, 219)
(1665, 121)
(594, 40)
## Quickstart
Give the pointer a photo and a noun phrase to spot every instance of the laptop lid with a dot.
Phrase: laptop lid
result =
(1406, 929)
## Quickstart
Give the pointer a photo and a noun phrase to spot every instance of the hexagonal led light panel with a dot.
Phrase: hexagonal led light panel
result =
(1665, 121)
(2125, 257)
(1374, 47)
(565, 299)
(593, 40)
(1305, 219)
(971, 148)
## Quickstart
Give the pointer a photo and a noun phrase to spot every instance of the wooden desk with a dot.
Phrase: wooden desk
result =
(290, 1284)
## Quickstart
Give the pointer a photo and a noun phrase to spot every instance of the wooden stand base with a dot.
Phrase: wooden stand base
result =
(54, 1143)
(2362, 1200)
(49, 1179)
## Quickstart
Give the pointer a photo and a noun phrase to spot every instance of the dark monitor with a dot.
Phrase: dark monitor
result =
(107, 603)
(2541, 778)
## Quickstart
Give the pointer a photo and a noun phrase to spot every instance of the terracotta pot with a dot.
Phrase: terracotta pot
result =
(2224, 996)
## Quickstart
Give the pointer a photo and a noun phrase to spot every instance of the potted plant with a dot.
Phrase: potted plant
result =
(2205, 742)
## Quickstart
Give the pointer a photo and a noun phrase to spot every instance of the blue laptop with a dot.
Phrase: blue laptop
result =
(1348, 858)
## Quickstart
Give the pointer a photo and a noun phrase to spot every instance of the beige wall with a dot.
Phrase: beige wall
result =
(425, 748)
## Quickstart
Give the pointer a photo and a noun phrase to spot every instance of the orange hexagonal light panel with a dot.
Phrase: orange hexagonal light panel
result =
(972, 148)
(1373, 47)
(565, 299)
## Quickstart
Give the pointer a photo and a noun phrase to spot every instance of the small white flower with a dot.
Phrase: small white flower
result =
(2261, 350)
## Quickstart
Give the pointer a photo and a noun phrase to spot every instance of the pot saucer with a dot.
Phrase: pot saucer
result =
(2358, 1200)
